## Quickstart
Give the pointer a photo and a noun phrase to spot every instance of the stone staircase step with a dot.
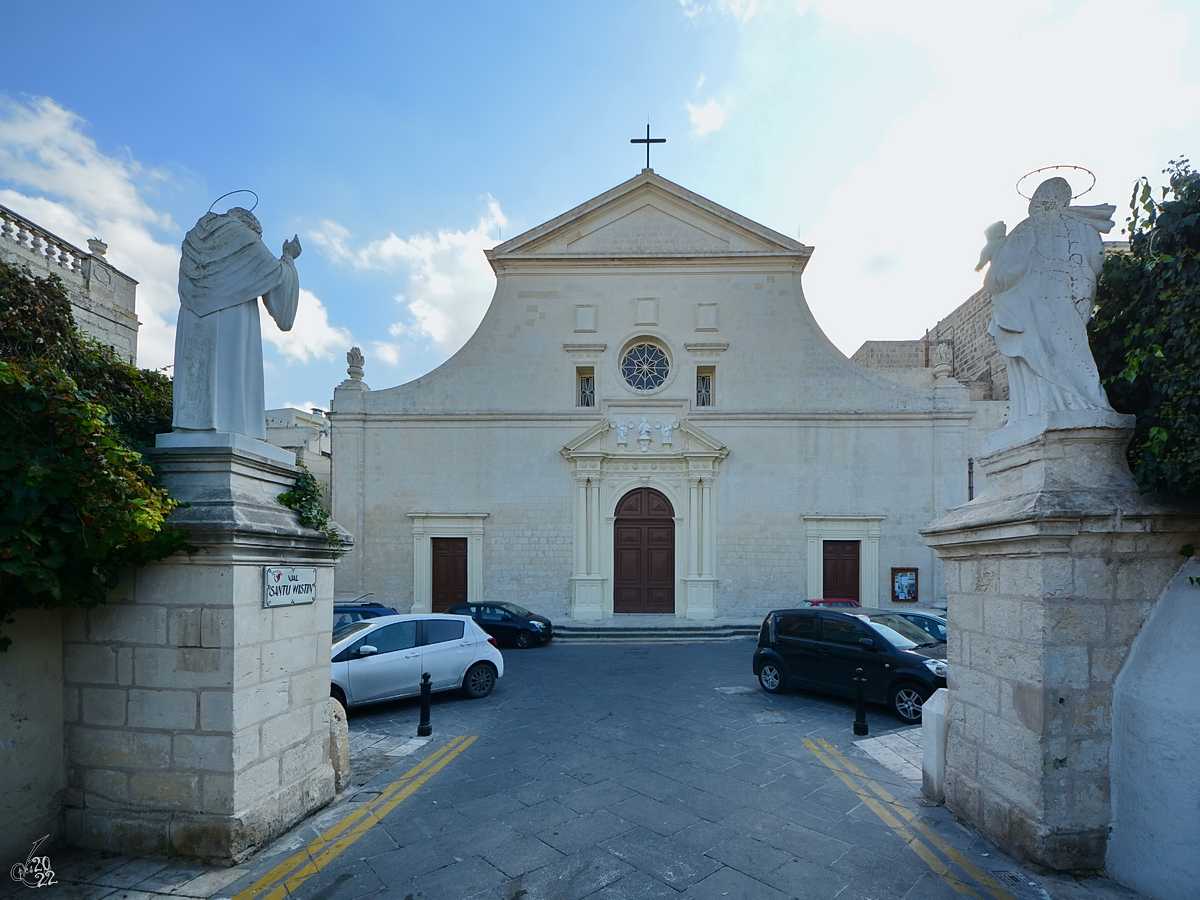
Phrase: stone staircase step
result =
(649, 633)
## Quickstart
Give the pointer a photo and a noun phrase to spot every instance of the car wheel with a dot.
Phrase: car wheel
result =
(479, 681)
(772, 679)
(906, 701)
(524, 640)
(337, 694)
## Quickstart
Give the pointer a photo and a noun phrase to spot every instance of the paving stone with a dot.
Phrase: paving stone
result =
(571, 878)
(538, 817)
(458, 880)
(727, 883)
(131, 872)
(401, 865)
(595, 796)
(637, 886)
(810, 880)
(521, 856)
(587, 830)
(658, 817)
(703, 835)
(671, 863)
(748, 856)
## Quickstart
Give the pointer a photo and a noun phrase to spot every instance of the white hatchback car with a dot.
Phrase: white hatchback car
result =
(383, 658)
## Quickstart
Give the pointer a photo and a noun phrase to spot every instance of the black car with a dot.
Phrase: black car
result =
(508, 623)
(347, 612)
(820, 649)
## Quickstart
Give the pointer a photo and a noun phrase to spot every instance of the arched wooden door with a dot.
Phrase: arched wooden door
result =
(644, 554)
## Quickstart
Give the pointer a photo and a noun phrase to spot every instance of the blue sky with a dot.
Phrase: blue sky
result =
(400, 139)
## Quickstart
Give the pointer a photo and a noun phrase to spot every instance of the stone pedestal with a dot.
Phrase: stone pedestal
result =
(1050, 574)
(198, 720)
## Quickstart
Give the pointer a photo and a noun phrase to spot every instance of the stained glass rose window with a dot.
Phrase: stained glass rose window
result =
(645, 367)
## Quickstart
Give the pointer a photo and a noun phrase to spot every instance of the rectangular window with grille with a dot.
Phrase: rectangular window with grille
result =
(587, 386)
(705, 375)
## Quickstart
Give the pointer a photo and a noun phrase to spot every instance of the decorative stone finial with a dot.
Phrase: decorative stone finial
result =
(356, 360)
(97, 246)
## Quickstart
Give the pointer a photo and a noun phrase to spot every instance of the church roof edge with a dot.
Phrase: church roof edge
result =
(778, 245)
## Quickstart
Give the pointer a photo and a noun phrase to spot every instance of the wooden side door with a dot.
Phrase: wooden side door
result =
(644, 554)
(449, 572)
(841, 569)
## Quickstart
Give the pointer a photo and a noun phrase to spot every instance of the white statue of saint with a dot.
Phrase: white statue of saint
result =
(225, 268)
(644, 430)
(1042, 281)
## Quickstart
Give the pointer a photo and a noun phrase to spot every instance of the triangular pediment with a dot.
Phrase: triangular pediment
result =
(648, 216)
(606, 439)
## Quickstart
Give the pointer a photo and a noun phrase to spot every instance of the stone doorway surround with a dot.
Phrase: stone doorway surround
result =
(865, 530)
(429, 525)
(673, 457)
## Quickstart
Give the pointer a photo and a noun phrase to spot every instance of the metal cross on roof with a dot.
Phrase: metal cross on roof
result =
(647, 140)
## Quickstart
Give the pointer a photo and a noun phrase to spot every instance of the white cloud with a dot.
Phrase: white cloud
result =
(311, 337)
(943, 107)
(450, 283)
(742, 10)
(60, 179)
(386, 351)
(706, 118)
(305, 405)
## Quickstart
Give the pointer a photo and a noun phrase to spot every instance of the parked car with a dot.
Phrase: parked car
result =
(508, 623)
(383, 658)
(829, 601)
(932, 621)
(347, 612)
(819, 649)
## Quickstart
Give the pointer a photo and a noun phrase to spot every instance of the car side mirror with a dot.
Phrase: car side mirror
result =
(868, 644)
(506, 618)
(367, 650)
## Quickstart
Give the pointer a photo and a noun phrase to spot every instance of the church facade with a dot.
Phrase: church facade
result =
(648, 420)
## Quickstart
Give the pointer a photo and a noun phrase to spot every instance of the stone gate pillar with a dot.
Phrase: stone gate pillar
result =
(1050, 574)
(197, 716)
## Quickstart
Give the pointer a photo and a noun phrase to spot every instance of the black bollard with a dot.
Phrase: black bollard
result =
(425, 729)
(860, 702)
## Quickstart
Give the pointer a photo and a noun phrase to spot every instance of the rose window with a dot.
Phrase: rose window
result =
(645, 367)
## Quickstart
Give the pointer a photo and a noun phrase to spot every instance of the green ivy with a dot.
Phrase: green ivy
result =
(305, 499)
(77, 502)
(1145, 334)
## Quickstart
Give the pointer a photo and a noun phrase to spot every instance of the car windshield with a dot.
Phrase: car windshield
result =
(515, 610)
(900, 632)
(340, 634)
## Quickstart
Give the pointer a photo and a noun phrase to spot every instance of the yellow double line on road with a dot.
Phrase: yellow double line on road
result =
(296, 869)
(926, 843)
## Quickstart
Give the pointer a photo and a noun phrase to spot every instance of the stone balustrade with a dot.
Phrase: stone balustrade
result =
(102, 297)
(40, 242)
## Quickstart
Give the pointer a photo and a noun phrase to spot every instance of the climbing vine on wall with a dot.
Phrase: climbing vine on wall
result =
(77, 502)
(305, 499)
(1146, 331)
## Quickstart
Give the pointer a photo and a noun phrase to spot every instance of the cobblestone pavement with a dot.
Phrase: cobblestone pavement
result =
(613, 771)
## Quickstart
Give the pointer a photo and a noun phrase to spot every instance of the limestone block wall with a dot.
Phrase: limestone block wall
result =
(32, 767)
(975, 360)
(196, 719)
(1037, 639)
(975, 353)
(180, 710)
(1050, 577)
